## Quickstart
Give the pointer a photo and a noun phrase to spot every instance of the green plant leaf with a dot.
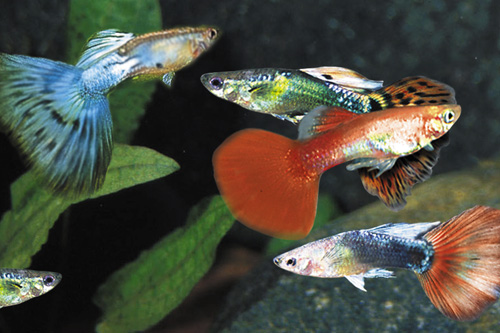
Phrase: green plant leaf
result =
(85, 18)
(141, 293)
(327, 211)
(25, 228)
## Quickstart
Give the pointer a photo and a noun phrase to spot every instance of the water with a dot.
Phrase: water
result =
(456, 43)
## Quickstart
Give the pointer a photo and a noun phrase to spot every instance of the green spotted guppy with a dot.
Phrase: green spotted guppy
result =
(21, 285)
(288, 94)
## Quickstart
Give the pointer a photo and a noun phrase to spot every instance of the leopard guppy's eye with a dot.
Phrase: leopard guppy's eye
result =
(448, 116)
(291, 262)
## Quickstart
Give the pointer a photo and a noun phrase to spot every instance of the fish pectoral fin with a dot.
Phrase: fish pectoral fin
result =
(167, 79)
(291, 118)
(344, 77)
(357, 280)
(429, 147)
(382, 165)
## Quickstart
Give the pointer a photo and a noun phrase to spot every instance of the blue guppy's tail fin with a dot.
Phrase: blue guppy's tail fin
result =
(64, 131)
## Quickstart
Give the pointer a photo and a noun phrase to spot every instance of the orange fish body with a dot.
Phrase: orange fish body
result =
(270, 183)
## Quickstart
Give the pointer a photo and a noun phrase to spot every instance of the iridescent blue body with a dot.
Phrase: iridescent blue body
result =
(362, 254)
(373, 250)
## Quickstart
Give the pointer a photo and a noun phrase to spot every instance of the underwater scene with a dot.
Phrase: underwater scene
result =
(249, 166)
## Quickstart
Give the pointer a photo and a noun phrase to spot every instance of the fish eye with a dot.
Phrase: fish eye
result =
(448, 116)
(216, 83)
(48, 280)
(212, 33)
(291, 262)
(158, 65)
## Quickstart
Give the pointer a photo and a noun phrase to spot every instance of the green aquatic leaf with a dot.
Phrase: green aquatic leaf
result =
(25, 228)
(141, 293)
(327, 211)
(85, 18)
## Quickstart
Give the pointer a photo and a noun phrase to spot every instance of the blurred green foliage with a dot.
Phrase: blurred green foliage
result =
(141, 293)
(25, 228)
(85, 18)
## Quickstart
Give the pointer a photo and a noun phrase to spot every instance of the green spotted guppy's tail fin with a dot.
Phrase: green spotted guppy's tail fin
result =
(412, 91)
(64, 131)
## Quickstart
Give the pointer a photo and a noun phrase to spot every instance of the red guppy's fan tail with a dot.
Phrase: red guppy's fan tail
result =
(265, 185)
(464, 277)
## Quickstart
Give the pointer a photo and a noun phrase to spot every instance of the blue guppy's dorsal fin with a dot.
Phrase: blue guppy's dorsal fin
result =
(101, 44)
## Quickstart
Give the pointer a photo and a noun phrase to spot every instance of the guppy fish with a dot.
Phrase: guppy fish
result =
(58, 114)
(457, 262)
(270, 183)
(21, 285)
(289, 93)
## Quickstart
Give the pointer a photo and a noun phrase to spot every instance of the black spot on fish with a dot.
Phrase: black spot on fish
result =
(433, 101)
(405, 101)
(375, 105)
(76, 124)
(411, 89)
(253, 89)
(21, 101)
(444, 101)
(400, 95)
(51, 145)
(419, 102)
(57, 117)
(39, 132)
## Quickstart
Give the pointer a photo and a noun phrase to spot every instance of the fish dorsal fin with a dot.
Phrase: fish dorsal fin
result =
(357, 281)
(413, 91)
(323, 119)
(344, 77)
(404, 230)
(101, 44)
(394, 185)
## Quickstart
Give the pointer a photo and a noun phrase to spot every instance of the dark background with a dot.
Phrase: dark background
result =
(456, 42)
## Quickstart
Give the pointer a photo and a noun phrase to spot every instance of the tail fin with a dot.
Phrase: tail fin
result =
(412, 91)
(464, 276)
(265, 185)
(64, 132)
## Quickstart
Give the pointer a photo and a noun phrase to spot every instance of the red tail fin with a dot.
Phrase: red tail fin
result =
(265, 185)
(464, 277)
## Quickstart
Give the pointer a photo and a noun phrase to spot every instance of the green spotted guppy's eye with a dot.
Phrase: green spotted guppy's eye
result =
(48, 280)
(216, 83)
(448, 116)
